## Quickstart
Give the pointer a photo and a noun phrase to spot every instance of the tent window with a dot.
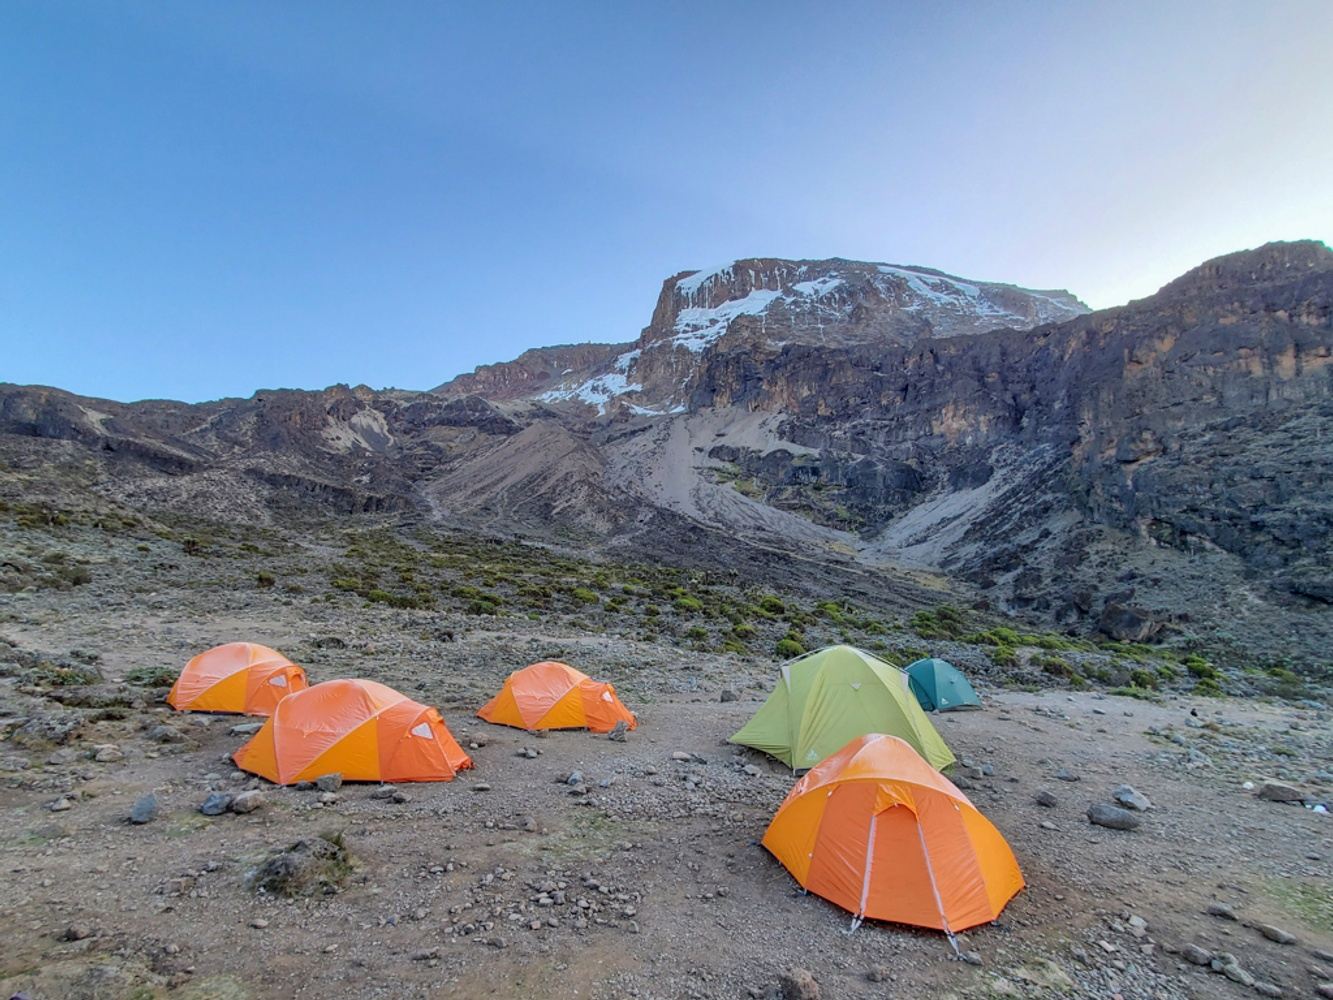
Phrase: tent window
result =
(606, 696)
(422, 729)
(278, 680)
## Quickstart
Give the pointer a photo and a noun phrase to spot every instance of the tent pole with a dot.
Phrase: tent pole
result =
(934, 887)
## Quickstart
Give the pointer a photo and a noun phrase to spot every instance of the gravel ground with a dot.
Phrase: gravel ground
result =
(644, 879)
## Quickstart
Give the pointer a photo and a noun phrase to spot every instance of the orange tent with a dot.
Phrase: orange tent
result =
(359, 729)
(238, 677)
(878, 831)
(550, 695)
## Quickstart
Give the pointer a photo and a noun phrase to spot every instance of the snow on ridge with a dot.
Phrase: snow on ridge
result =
(697, 327)
(600, 390)
(689, 286)
(818, 287)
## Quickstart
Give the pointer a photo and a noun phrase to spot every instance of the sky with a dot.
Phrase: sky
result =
(202, 200)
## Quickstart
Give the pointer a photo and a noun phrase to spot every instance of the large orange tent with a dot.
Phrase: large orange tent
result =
(551, 695)
(878, 831)
(237, 677)
(360, 729)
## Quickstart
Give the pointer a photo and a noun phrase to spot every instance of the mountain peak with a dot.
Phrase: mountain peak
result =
(767, 303)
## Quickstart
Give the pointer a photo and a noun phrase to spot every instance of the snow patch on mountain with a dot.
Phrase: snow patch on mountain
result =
(696, 327)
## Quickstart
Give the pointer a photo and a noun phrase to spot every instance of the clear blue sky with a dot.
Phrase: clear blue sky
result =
(203, 199)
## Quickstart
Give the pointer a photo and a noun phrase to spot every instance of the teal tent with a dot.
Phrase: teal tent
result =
(940, 687)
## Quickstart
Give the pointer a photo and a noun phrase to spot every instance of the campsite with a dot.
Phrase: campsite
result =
(666, 501)
(572, 863)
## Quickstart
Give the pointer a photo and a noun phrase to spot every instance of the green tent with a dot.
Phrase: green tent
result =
(828, 698)
(940, 687)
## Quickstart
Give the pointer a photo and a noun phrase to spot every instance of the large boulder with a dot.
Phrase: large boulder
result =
(1127, 624)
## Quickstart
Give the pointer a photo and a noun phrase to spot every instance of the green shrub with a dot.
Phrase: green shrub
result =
(1141, 678)
(264, 580)
(1199, 667)
(151, 677)
(1056, 666)
(584, 595)
(831, 610)
(944, 622)
(696, 632)
(689, 605)
(651, 610)
(909, 654)
(770, 604)
(788, 647)
(48, 674)
(743, 630)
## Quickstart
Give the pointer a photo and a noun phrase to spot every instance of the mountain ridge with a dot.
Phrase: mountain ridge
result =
(1158, 467)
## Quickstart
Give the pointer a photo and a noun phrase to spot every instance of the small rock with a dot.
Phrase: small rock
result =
(144, 809)
(216, 804)
(1195, 955)
(425, 955)
(1127, 796)
(400, 798)
(245, 728)
(1276, 934)
(480, 786)
(247, 802)
(879, 974)
(164, 734)
(60, 805)
(751, 770)
(1279, 791)
(1113, 817)
(327, 798)
(682, 755)
(1065, 774)
(1222, 911)
(798, 984)
(259, 923)
(729, 695)
(1045, 798)
(1324, 989)
(619, 733)
(574, 778)
(971, 957)
(1237, 975)
(76, 932)
(108, 753)
(1268, 989)
(329, 782)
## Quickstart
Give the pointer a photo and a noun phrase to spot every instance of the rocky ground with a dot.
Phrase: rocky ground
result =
(573, 865)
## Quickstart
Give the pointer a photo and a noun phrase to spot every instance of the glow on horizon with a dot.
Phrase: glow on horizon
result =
(204, 200)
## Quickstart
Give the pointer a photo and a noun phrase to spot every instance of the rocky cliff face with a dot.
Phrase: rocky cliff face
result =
(534, 372)
(1194, 422)
(763, 303)
(1161, 466)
